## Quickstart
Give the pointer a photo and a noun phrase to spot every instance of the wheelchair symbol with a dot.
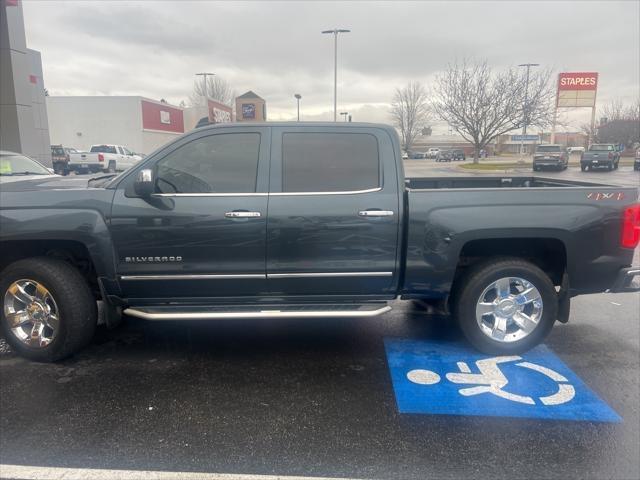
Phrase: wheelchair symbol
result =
(492, 380)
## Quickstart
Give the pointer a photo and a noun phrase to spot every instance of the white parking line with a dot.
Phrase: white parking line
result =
(23, 472)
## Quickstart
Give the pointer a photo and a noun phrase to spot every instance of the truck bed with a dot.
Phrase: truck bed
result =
(451, 218)
(430, 183)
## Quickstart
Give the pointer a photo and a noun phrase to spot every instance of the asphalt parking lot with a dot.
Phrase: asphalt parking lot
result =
(313, 397)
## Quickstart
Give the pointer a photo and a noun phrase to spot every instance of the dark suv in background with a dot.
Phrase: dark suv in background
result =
(458, 154)
(550, 156)
(59, 159)
(444, 156)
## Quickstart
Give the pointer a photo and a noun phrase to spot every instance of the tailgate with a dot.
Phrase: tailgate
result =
(84, 159)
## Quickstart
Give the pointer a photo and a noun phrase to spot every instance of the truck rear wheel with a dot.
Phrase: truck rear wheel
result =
(506, 306)
(48, 309)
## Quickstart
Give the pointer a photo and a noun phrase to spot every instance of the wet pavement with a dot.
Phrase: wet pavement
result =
(309, 397)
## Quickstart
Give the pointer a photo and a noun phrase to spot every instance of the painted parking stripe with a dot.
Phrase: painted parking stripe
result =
(453, 379)
(24, 472)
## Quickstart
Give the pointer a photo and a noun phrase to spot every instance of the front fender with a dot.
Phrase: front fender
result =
(87, 227)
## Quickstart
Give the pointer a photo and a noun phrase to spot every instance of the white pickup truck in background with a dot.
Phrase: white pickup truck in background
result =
(103, 158)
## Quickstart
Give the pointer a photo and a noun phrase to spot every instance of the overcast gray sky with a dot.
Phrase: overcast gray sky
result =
(153, 48)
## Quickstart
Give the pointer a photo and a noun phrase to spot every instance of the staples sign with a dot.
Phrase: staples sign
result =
(578, 81)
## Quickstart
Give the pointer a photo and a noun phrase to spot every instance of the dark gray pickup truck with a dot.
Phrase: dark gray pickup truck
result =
(303, 220)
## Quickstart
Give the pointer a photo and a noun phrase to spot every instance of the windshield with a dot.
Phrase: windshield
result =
(601, 148)
(57, 151)
(549, 148)
(20, 165)
(103, 149)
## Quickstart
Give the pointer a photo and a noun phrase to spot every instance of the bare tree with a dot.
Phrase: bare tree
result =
(482, 105)
(410, 112)
(621, 123)
(217, 88)
(616, 109)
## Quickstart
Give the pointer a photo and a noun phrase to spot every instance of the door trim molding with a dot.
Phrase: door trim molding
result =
(170, 195)
(329, 274)
(194, 277)
(255, 276)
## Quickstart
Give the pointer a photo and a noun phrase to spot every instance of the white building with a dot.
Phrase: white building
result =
(138, 123)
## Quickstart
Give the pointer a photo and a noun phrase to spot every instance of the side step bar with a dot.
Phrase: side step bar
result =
(175, 313)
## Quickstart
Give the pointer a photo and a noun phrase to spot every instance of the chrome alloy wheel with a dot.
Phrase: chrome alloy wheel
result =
(509, 309)
(31, 312)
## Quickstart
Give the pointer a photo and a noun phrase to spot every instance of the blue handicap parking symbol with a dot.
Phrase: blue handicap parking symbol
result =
(451, 378)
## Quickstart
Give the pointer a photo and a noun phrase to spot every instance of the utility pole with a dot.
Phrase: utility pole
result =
(344, 114)
(298, 97)
(335, 33)
(204, 90)
(526, 103)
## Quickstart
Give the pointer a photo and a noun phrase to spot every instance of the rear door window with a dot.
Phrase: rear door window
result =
(329, 162)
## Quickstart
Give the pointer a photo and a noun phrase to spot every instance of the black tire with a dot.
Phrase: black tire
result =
(76, 304)
(536, 169)
(469, 289)
(583, 168)
(112, 167)
(610, 167)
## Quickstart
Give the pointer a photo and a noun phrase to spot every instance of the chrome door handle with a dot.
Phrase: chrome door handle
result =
(242, 214)
(375, 213)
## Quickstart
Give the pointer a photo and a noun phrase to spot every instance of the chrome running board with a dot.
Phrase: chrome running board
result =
(213, 313)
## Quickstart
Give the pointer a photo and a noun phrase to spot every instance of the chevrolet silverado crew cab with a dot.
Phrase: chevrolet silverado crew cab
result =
(103, 158)
(303, 220)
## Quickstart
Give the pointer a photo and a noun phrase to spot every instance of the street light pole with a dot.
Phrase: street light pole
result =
(526, 106)
(298, 97)
(335, 33)
(204, 90)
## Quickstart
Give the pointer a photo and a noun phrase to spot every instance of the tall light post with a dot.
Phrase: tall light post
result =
(344, 114)
(298, 97)
(335, 33)
(204, 90)
(525, 114)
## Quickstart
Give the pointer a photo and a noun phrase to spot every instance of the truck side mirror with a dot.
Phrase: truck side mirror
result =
(144, 185)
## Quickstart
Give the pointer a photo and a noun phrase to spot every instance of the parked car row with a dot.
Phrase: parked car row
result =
(598, 155)
(454, 154)
(437, 154)
(100, 158)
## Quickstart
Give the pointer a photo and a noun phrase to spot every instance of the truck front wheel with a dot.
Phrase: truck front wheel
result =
(505, 307)
(48, 310)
